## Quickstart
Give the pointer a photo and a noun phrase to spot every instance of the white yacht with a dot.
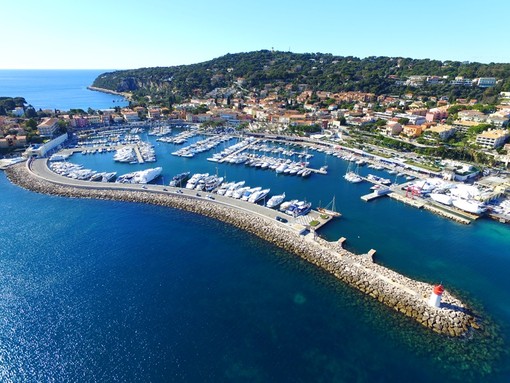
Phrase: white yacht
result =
(275, 200)
(238, 193)
(258, 195)
(140, 177)
(249, 192)
(445, 199)
(233, 188)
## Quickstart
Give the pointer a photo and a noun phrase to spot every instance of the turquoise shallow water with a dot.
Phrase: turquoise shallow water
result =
(111, 291)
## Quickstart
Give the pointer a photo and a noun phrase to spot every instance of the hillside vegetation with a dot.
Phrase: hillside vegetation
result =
(316, 71)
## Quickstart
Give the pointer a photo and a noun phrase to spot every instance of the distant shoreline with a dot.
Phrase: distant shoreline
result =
(126, 95)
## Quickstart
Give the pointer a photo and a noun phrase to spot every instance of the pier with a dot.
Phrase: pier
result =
(138, 154)
(407, 296)
(445, 211)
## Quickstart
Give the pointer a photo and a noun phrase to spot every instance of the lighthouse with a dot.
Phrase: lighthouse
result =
(435, 297)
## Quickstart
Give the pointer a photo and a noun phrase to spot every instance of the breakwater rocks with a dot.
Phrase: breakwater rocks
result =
(403, 294)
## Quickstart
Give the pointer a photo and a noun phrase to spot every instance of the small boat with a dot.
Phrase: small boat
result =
(330, 209)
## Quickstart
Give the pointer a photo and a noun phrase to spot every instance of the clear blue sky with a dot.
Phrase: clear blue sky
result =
(119, 34)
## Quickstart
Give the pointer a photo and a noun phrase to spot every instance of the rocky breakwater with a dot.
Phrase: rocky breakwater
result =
(403, 294)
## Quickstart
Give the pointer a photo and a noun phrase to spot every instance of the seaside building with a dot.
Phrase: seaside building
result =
(412, 130)
(41, 150)
(436, 114)
(463, 126)
(392, 128)
(491, 139)
(130, 116)
(154, 113)
(13, 141)
(497, 120)
(472, 115)
(48, 127)
(414, 119)
(443, 131)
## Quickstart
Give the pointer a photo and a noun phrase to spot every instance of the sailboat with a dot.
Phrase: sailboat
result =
(330, 209)
(352, 176)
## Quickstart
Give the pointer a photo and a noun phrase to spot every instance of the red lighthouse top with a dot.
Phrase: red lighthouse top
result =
(438, 289)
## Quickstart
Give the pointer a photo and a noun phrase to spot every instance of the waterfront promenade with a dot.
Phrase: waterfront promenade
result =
(404, 295)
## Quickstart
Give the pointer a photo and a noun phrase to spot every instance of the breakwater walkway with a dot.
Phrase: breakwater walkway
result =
(403, 294)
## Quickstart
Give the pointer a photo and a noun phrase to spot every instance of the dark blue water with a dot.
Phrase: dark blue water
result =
(110, 291)
(57, 89)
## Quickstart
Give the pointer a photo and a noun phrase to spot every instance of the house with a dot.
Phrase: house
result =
(78, 122)
(443, 131)
(486, 82)
(48, 127)
(461, 81)
(491, 139)
(18, 111)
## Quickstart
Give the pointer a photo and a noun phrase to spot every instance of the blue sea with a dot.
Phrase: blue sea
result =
(103, 291)
(57, 89)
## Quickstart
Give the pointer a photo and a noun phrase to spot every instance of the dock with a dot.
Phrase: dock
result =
(139, 157)
(376, 194)
(418, 203)
(441, 210)
(313, 220)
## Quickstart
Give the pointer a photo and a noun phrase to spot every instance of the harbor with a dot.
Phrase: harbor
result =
(285, 157)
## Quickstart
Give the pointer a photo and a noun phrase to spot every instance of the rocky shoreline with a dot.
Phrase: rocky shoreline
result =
(126, 95)
(396, 291)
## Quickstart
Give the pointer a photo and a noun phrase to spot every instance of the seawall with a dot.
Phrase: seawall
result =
(396, 291)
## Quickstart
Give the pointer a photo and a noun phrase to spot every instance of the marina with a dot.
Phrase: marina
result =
(284, 158)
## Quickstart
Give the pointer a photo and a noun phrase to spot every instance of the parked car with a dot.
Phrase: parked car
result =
(281, 219)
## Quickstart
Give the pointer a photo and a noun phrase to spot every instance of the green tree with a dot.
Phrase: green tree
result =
(30, 112)
(31, 123)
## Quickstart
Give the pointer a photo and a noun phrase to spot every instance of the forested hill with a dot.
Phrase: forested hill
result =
(317, 71)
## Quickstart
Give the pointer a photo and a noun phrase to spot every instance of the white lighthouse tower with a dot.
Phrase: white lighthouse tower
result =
(435, 297)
